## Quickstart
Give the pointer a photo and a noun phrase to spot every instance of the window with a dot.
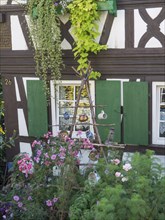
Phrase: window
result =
(158, 115)
(64, 100)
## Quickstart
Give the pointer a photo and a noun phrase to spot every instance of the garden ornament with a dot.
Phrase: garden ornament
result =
(89, 135)
(110, 137)
(56, 171)
(66, 116)
(102, 115)
(83, 117)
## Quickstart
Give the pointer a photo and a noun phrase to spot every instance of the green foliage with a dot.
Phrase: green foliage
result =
(46, 35)
(84, 17)
(135, 193)
(124, 190)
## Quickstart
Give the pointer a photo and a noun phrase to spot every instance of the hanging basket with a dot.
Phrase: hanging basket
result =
(109, 5)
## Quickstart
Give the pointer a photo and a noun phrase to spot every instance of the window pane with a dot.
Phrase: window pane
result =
(66, 92)
(162, 112)
(162, 129)
(65, 124)
(83, 93)
(64, 107)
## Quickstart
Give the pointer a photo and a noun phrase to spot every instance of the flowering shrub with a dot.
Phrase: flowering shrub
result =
(49, 185)
(126, 190)
(45, 182)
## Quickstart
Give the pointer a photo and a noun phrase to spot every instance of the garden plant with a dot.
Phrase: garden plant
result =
(50, 184)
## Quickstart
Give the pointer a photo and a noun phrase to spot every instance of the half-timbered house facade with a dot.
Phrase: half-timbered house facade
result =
(131, 87)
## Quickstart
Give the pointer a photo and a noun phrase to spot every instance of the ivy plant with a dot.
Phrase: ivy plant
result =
(84, 17)
(46, 36)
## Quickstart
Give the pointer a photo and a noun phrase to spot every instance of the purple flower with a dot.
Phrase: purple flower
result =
(53, 157)
(16, 198)
(39, 152)
(20, 204)
(49, 203)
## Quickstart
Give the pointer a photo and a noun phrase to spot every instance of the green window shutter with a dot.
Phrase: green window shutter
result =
(109, 93)
(135, 113)
(37, 108)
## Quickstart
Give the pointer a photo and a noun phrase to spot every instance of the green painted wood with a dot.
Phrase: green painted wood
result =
(135, 100)
(37, 108)
(109, 5)
(108, 93)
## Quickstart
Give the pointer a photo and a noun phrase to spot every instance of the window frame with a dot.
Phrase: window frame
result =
(156, 86)
(55, 107)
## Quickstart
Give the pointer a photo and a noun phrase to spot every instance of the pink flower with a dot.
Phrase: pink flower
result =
(37, 159)
(116, 161)
(47, 163)
(16, 198)
(49, 203)
(20, 204)
(62, 155)
(117, 174)
(49, 134)
(46, 155)
(29, 198)
(62, 149)
(79, 133)
(55, 200)
(39, 152)
(35, 143)
(127, 167)
(53, 157)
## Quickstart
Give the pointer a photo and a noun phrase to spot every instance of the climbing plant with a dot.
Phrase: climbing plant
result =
(84, 17)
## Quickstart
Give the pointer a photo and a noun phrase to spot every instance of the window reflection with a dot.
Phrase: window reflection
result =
(162, 129)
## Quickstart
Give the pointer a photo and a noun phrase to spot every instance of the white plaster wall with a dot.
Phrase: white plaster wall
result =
(22, 126)
(17, 37)
(25, 148)
(140, 27)
(117, 35)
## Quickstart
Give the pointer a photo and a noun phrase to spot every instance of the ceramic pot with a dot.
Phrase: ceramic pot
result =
(102, 115)
(66, 116)
(83, 118)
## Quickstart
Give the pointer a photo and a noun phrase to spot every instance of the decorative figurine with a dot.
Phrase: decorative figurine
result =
(102, 115)
(66, 116)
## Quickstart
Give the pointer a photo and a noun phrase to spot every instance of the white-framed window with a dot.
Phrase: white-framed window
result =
(63, 100)
(158, 113)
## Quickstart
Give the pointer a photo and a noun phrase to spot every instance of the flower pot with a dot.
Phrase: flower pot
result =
(109, 5)
(83, 118)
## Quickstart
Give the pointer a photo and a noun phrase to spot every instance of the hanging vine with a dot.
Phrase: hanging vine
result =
(46, 37)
